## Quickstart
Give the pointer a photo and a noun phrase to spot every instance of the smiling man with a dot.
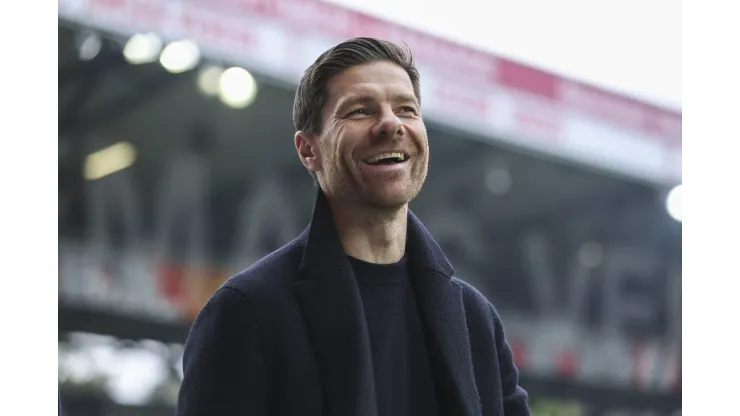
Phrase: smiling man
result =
(361, 315)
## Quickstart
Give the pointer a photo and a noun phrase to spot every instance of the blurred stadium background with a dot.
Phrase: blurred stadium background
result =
(177, 169)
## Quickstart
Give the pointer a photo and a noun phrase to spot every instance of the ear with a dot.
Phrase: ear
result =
(308, 151)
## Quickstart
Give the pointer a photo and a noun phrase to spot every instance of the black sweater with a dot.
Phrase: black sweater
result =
(403, 381)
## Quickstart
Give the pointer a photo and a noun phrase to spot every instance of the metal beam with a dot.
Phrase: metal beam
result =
(140, 93)
(78, 318)
(107, 60)
(88, 75)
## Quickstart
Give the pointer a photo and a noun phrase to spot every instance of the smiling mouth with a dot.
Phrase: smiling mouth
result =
(387, 159)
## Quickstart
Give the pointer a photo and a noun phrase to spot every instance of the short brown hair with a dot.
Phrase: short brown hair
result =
(311, 94)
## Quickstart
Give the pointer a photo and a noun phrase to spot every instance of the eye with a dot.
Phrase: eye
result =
(359, 111)
(408, 109)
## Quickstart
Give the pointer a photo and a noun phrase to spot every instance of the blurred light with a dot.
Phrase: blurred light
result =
(180, 56)
(103, 357)
(673, 203)
(76, 366)
(237, 88)
(109, 160)
(209, 79)
(135, 375)
(90, 47)
(591, 255)
(180, 370)
(142, 48)
(498, 181)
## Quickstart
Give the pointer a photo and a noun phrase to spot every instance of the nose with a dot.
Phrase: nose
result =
(388, 125)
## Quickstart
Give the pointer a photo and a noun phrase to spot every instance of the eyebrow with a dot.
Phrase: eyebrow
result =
(365, 99)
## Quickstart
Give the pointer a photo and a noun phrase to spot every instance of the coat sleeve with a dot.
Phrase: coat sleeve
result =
(514, 396)
(223, 364)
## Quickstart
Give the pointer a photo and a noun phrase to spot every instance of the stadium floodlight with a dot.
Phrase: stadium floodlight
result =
(673, 203)
(110, 160)
(89, 46)
(142, 48)
(237, 87)
(209, 79)
(180, 56)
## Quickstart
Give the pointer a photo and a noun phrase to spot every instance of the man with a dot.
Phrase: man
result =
(360, 315)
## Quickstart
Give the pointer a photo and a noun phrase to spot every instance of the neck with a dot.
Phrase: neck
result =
(372, 235)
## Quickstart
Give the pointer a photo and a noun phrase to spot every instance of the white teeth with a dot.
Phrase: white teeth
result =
(396, 155)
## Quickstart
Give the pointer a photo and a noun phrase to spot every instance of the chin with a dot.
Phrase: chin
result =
(392, 199)
(389, 203)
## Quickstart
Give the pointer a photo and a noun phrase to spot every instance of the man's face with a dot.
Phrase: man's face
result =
(373, 148)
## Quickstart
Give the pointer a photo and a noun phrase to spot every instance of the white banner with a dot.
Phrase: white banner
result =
(469, 90)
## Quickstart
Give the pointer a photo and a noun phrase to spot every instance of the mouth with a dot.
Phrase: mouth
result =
(391, 158)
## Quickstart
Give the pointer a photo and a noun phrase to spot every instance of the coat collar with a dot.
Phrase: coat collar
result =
(330, 301)
(324, 255)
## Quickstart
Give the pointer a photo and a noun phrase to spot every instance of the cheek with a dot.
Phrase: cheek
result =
(346, 146)
(338, 158)
(331, 146)
(419, 134)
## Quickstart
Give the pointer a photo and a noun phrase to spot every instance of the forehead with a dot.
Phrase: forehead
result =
(370, 78)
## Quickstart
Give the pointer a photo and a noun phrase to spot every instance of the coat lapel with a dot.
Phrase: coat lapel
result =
(441, 308)
(330, 301)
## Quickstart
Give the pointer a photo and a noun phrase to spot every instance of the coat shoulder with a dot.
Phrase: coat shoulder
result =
(471, 295)
(476, 303)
